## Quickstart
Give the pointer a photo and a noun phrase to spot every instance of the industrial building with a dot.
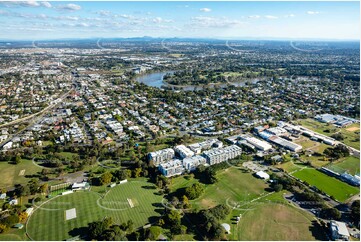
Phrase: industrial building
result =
(259, 144)
(218, 155)
(285, 144)
(161, 156)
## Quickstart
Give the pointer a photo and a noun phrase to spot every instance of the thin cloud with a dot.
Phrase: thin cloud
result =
(271, 17)
(206, 10)
(254, 16)
(26, 4)
(312, 12)
(212, 22)
(46, 4)
(289, 15)
(69, 7)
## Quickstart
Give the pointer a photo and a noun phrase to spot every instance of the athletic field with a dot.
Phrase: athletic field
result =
(134, 200)
(330, 185)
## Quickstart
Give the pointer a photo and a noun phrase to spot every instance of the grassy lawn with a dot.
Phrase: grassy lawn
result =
(274, 222)
(14, 235)
(350, 164)
(10, 174)
(350, 132)
(270, 217)
(290, 166)
(48, 222)
(233, 186)
(67, 155)
(330, 185)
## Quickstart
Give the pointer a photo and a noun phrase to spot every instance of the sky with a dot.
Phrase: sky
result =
(39, 20)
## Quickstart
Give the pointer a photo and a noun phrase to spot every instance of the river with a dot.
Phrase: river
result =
(156, 80)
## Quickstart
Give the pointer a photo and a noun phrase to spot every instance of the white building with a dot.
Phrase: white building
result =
(171, 168)
(259, 144)
(80, 186)
(205, 145)
(161, 156)
(339, 231)
(218, 155)
(262, 175)
(286, 144)
(29, 211)
(191, 163)
(183, 151)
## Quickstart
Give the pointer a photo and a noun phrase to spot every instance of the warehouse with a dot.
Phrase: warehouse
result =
(286, 144)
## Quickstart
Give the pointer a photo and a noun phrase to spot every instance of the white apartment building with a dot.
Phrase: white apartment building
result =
(161, 156)
(218, 155)
(171, 168)
(191, 163)
(183, 151)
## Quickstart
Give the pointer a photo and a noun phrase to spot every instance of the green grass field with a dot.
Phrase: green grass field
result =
(351, 132)
(233, 185)
(330, 185)
(47, 224)
(14, 235)
(350, 164)
(273, 222)
(10, 173)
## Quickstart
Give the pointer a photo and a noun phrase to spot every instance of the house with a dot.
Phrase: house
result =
(13, 202)
(18, 226)
(29, 211)
(262, 175)
(227, 228)
(80, 186)
(277, 158)
(339, 230)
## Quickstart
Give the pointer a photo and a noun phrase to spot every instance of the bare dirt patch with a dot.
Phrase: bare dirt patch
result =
(352, 129)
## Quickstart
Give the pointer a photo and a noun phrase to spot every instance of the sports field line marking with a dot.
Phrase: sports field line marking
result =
(130, 202)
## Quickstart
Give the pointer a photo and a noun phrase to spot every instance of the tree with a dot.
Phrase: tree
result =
(17, 158)
(137, 172)
(194, 191)
(277, 187)
(10, 220)
(96, 229)
(185, 202)
(330, 213)
(120, 174)
(23, 216)
(355, 211)
(106, 178)
(153, 232)
(44, 188)
(220, 211)
(172, 218)
(3, 228)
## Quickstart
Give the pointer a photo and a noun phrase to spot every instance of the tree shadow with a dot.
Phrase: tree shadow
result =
(149, 187)
(318, 232)
(157, 205)
(81, 232)
(153, 219)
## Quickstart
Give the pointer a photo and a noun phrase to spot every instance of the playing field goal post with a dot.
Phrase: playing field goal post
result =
(59, 186)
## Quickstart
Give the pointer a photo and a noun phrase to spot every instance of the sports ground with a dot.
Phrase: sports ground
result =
(264, 214)
(48, 220)
(330, 185)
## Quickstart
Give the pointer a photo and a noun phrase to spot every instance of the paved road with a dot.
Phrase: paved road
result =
(36, 117)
